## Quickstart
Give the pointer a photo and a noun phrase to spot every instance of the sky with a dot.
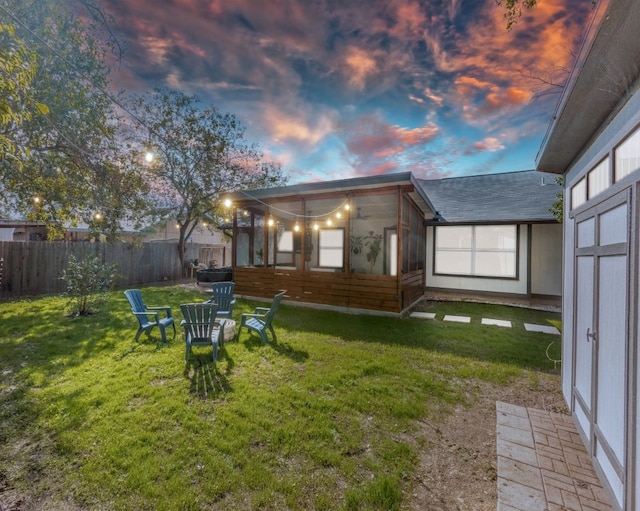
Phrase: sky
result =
(334, 89)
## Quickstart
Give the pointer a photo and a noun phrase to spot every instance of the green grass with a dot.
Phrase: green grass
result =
(322, 419)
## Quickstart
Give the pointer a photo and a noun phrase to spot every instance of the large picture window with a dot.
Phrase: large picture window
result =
(477, 250)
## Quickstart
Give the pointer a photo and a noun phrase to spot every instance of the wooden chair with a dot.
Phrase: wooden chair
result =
(149, 317)
(261, 319)
(222, 295)
(201, 328)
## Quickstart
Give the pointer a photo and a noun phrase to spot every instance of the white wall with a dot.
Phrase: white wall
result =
(546, 259)
(6, 233)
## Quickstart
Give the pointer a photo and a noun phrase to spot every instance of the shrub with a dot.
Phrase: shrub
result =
(88, 281)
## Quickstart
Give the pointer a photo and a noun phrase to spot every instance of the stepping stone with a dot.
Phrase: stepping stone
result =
(423, 315)
(458, 319)
(496, 322)
(545, 329)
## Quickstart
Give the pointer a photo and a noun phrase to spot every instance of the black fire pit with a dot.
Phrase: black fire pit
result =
(215, 274)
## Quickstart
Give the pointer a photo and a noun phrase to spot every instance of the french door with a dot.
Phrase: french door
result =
(600, 339)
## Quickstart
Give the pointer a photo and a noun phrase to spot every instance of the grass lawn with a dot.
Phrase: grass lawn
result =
(323, 419)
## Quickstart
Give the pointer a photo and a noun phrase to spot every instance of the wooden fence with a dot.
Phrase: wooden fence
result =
(35, 267)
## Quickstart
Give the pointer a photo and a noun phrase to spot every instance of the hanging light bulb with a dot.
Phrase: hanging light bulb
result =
(296, 227)
(338, 215)
(316, 226)
(347, 207)
(271, 222)
(148, 156)
(227, 203)
(329, 222)
(37, 200)
(97, 217)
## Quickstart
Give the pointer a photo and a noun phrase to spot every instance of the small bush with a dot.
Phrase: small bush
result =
(88, 280)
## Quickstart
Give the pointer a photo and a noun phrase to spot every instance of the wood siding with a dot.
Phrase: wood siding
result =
(412, 287)
(348, 290)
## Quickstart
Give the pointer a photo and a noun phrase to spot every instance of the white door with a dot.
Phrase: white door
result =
(600, 333)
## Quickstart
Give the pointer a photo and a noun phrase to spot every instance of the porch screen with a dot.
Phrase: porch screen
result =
(476, 250)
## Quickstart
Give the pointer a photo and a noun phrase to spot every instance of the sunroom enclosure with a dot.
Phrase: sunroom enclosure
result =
(351, 249)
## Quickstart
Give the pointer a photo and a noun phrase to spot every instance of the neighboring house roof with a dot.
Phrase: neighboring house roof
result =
(604, 74)
(508, 197)
(356, 183)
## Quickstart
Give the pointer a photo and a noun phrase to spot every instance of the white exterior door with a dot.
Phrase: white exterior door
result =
(600, 333)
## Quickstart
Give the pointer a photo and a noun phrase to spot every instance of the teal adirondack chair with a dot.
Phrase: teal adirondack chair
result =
(222, 296)
(261, 319)
(149, 317)
(201, 328)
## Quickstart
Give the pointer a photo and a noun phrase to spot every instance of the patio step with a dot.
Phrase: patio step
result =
(543, 464)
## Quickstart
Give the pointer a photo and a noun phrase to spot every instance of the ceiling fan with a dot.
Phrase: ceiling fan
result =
(360, 216)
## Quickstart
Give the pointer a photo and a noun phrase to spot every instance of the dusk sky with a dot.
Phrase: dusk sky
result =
(339, 89)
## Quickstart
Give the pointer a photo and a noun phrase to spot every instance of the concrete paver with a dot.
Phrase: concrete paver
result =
(496, 322)
(545, 329)
(542, 464)
(423, 315)
(457, 319)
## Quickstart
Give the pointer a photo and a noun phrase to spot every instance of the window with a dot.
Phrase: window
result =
(477, 250)
(579, 193)
(285, 241)
(599, 178)
(331, 248)
(628, 156)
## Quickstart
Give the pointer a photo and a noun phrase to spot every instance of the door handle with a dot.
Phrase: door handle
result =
(592, 335)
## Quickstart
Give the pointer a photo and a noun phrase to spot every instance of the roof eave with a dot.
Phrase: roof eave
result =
(598, 80)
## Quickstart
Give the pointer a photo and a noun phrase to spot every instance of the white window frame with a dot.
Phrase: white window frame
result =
(473, 251)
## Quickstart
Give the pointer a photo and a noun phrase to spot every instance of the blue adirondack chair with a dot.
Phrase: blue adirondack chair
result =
(149, 317)
(222, 296)
(261, 319)
(201, 328)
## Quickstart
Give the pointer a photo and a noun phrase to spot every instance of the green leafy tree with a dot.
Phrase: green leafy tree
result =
(557, 208)
(88, 281)
(77, 166)
(17, 70)
(200, 155)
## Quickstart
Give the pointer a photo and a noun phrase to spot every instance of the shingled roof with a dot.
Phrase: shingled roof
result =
(524, 196)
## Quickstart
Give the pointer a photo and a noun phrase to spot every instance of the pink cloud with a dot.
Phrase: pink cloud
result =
(490, 144)
(375, 146)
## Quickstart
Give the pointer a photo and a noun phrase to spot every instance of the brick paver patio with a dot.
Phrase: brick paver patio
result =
(542, 463)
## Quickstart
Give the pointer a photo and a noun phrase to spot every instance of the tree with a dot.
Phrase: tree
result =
(74, 164)
(513, 9)
(201, 154)
(557, 208)
(88, 281)
(17, 70)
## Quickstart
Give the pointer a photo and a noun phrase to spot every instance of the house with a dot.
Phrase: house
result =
(22, 230)
(594, 141)
(494, 234)
(377, 243)
(353, 244)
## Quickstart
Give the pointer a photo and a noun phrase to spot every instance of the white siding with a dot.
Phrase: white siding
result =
(546, 259)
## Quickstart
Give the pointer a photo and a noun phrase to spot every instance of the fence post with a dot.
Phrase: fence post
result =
(1, 272)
